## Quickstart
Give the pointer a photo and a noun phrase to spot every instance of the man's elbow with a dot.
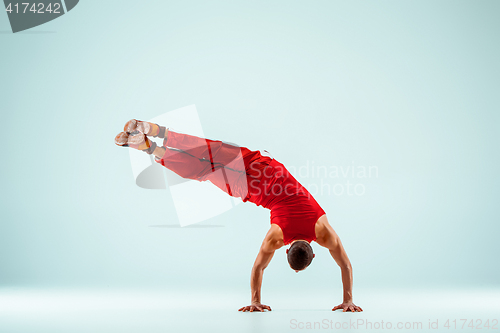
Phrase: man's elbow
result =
(258, 269)
(346, 267)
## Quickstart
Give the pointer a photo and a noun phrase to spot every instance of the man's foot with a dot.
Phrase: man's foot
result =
(145, 127)
(138, 141)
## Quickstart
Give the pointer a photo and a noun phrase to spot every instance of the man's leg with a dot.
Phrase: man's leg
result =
(195, 158)
(231, 181)
(217, 152)
(203, 159)
(140, 142)
(145, 127)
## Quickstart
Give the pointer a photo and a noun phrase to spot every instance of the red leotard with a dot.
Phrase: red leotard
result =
(292, 207)
(248, 175)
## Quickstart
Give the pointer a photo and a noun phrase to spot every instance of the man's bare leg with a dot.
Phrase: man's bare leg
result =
(150, 129)
(135, 133)
(159, 152)
(140, 142)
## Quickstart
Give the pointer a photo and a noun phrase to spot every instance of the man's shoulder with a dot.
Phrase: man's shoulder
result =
(274, 237)
(322, 227)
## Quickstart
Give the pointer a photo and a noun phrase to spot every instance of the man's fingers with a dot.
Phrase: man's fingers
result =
(345, 308)
(255, 308)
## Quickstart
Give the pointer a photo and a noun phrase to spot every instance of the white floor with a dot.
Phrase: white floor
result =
(28, 310)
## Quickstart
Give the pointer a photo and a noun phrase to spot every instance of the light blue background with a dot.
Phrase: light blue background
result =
(410, 87)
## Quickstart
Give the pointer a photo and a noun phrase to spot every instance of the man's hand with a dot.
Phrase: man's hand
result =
(348, 307)
(255, 307)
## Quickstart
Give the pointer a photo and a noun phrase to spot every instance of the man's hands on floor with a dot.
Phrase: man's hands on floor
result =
(348, 307)
(255, 307)
(258, 307)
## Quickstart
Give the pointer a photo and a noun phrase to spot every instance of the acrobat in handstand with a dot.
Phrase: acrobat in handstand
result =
(296, 217)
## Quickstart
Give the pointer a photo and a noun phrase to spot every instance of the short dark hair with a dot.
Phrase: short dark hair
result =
(300, 255)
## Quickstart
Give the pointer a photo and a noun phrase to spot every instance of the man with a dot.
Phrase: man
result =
(296, 218)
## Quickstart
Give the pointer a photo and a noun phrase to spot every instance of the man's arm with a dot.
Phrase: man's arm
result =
(266, 253)
(329, 239)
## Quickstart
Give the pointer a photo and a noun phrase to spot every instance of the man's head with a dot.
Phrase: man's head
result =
(299, 255)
